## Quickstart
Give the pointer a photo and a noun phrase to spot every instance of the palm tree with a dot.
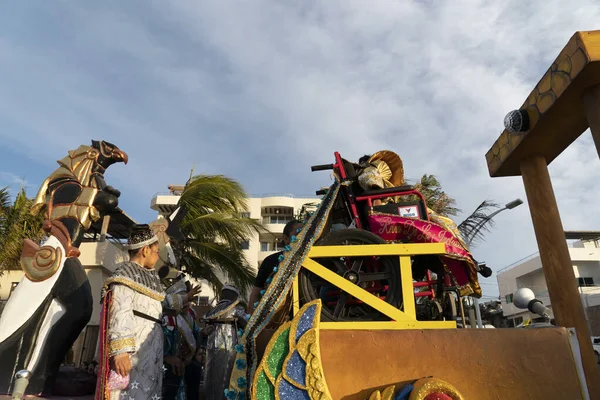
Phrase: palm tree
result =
(435, 197)
(16, 224)
(473, 228)
(215, 230)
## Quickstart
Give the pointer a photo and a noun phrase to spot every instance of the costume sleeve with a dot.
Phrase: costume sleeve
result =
(121, 322)
(173, 301)
(239, 313)
(170, 341)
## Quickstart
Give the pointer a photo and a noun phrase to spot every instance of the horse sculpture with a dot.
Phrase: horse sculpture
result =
(53, 302)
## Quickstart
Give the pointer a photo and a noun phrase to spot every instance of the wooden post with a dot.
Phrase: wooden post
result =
(556, 262)
(591, 107)
(104, 229)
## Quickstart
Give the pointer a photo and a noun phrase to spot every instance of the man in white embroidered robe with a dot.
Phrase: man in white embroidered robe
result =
(131, 331)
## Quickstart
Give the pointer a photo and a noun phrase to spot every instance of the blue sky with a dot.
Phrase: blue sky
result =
(261, 90)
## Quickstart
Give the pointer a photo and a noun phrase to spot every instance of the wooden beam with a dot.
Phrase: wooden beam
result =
(556, 262)
(591, 107)
(554, 107)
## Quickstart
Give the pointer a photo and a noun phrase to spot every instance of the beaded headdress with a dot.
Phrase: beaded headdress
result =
(140, 236)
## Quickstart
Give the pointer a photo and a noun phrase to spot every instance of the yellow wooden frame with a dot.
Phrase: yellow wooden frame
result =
(406, 319)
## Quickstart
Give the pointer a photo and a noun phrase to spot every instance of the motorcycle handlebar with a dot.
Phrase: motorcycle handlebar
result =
(322, 167)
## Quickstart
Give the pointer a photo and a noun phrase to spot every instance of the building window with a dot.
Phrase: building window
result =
(271, 246)
(585, 281)
(277, 219)
(509, 298)
(245, 245)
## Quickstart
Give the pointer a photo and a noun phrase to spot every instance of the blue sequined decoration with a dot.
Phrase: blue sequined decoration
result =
(255, 304)
(403, 393)
(306, 322)
(296, 369)
(230, 394)
(239, 348)
(241, 396)
(293, 239)
(289, 392)
(269, 279)
(262, 292)
(281, 257)
(287, 247)
(240, 332)
(240, 364)
(241, 382)
(275, 269)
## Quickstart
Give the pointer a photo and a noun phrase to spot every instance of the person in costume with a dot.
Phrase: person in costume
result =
(224, 320)
(182, 347)
(131, 335)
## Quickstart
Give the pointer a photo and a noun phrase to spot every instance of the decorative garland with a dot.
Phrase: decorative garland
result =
(278, 286)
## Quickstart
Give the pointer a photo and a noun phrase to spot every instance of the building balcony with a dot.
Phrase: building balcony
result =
(164, 203)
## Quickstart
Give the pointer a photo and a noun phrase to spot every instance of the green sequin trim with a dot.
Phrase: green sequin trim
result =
(278, 353)
(264, 389)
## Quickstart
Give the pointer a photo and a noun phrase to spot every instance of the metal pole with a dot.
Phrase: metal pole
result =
(477, 312)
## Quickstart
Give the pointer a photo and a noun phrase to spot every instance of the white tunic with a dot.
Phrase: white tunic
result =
(140, 337)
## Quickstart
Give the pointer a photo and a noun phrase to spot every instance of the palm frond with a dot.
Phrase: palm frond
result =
(4, 199)
(473, 227)
(17, 224)
(436, 199)
(214, 231)
(230, 262)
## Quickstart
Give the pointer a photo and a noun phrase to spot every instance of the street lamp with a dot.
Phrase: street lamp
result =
(508, 206)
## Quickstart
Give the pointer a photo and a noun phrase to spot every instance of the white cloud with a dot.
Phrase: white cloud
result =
(261, 90)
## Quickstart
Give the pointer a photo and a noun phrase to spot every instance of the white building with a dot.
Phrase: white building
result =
(585, 256)
(274, 211)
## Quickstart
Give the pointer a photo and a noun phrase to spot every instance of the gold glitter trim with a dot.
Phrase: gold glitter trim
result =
(426, 386)
(309, 350)
(387, 394)
(121, 345)
(135, 286)
(224, 311)
(262, 367)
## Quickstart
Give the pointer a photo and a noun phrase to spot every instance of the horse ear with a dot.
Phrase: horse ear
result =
(96, 144)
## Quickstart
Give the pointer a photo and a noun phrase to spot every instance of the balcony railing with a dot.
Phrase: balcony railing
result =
(519, 262)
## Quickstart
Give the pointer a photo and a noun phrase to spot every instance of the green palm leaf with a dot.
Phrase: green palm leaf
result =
(473, 228)
(214, 231)
(16, 224)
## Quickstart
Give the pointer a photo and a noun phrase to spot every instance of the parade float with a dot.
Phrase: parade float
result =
(53, 301)
(342, 318)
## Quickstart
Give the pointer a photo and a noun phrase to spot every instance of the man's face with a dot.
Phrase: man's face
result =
(294, 231)
(151, 255)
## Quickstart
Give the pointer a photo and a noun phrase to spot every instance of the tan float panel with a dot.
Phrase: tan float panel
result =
(554, 107)
(483, 364)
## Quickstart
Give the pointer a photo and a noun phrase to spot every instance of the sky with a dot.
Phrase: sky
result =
(261, 90)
